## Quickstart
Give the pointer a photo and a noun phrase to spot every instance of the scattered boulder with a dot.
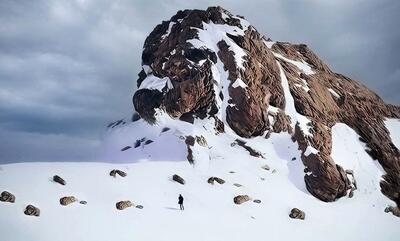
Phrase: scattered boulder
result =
(83, 202)
(257, 200)
(137, 144)
(293, 158)
(237, 185)
(114, 173)
(178, 179)
(296, 213)
(232, 172)
(139, 206)
(394, 210)
(59, 180)
(165, 129)
(126, 148)
(148, 142)
(31, 210)
(265, 167)
(67, 200)
(241, 199)
(211, 180)
(7, 197)
(121, 205)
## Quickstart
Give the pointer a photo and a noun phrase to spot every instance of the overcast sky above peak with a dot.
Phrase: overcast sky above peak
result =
(68, 68)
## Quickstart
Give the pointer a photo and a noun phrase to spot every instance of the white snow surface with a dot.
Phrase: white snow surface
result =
(296, 118)
(210, 213)
(393, 125)
(153, 82)
(334, 93)
(303, 66)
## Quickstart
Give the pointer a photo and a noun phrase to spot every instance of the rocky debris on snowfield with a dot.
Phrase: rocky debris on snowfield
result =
(296, 213)
(116, 123)
(248, 148)
(237, 185)
(59, 180)
(31, 210)
(148, 142)
(257, 200)
(292, 91)
(126, 148)
(293, 158)
(139, 206)
(211, 180)
(7, 197)
(201, 140)
(83, 202)
(178, 179)
(265, 167)
(114, 173)
(241, 199)
(394, 210)
(121, 205)
(165, 129)
(67, 200)
(137, 144)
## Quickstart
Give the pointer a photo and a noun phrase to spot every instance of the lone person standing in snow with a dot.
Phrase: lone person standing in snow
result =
(180, 202)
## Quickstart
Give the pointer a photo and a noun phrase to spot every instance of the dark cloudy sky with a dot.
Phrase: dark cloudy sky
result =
(67, 68)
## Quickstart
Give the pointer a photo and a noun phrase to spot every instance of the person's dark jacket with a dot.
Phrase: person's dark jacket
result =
(180, 199)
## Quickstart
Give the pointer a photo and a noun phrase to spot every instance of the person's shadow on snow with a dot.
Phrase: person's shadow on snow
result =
(171, 208)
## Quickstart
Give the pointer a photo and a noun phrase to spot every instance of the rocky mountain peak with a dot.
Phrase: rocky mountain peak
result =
(213, 65)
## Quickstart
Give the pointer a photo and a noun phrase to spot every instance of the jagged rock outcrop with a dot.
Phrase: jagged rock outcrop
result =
(212, 64)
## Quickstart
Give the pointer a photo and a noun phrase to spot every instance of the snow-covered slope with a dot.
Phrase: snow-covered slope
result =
(210, 213)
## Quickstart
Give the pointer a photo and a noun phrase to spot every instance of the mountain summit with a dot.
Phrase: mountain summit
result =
(215, 66)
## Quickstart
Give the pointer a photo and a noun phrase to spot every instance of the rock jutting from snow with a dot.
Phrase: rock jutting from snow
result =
(116, 172)
(241, 199)
(211, 180)
(67, 200)
(121, 205)
(59, 180)
(31, 210)
(296, 213)
(210, 64)
(178, 179)
(7, 197)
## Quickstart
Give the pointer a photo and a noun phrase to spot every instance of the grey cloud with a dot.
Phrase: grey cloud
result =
(67, 68)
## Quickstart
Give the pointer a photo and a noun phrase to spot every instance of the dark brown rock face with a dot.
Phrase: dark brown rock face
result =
(238, 80)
